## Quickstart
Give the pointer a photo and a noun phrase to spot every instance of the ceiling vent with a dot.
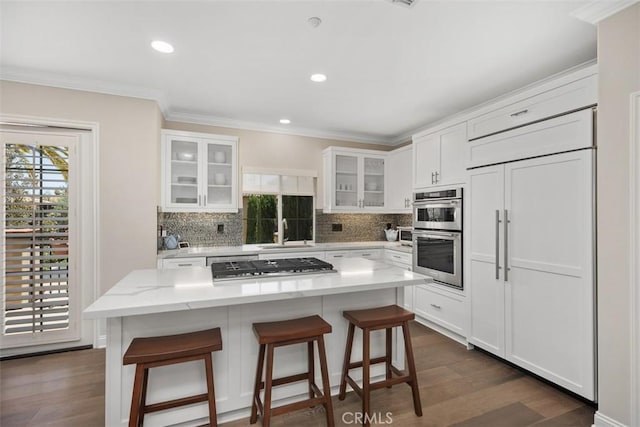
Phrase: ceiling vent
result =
(407, 3)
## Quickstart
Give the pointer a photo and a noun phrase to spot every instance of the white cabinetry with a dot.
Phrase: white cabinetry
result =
(402, 260)
(564, 133)
(361, 253)
(442, 307)
(529, 265)
(354, 180)
(400, 193)
(568, 96)
(282, 255)
(439, 157)
(199, 172)
(184, 262)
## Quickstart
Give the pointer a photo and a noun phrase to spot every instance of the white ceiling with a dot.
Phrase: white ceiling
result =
(391, 69)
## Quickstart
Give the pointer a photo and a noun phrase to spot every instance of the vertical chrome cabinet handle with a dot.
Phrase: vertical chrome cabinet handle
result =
(506, 245)
(198, 199)
(437, 179)
(432, 177)
(205, 200)
(497, 244)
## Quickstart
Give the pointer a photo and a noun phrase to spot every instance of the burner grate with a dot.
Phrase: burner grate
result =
(266, 268)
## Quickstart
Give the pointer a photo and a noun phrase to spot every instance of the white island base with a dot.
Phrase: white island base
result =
(235, 365)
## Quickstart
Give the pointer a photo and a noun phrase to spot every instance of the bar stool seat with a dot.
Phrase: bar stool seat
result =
(370, 320)
(282, 333)
(151, 352)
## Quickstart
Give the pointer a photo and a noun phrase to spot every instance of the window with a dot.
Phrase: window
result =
(40, 301)
(278, 207)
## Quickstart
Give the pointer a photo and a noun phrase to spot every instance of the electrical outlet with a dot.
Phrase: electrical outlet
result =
(220, 228)
(336, 227)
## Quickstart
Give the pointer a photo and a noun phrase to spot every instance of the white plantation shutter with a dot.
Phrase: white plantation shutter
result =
(39, 301)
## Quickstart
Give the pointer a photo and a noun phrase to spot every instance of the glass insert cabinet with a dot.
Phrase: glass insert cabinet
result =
(354, 180)
(199, 172)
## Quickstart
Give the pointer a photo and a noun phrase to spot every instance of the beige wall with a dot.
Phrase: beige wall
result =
(276, 150)
(619, 76)
(129, 166)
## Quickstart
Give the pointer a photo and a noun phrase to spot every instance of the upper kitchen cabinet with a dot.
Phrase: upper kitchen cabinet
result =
(354, 180)
(559, 96)
(199, 172)
(439, 157)
(399, 168)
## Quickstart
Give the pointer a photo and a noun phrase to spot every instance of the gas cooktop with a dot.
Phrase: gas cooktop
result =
(268, 268)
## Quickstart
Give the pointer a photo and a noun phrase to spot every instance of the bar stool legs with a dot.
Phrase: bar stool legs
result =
(151, 352)
(371, 320)
(276, 334)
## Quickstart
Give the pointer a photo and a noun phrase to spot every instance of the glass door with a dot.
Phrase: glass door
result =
(373, 182)
(183, 155)
(346, 181)
(219, 175)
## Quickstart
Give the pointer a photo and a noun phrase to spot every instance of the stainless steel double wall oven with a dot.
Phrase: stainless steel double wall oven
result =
(437, 235)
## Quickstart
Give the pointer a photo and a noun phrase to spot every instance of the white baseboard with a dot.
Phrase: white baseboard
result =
(443, 331)
(601, 420)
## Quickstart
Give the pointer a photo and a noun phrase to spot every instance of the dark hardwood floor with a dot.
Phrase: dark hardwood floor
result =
(458, 388)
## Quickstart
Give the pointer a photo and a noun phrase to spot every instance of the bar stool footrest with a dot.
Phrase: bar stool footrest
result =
(381, 359)
(309, 403)
(161, 406)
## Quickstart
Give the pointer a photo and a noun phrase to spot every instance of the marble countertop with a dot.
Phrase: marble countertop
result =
(158, 291)
(257, 249)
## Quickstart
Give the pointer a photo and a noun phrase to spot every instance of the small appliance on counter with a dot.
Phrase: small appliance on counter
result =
(405, 235)
(390, 233)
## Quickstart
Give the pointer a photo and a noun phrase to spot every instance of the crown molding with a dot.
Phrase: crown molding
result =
(203, 119)
(29, 76)
(598, 10)
(42, 78)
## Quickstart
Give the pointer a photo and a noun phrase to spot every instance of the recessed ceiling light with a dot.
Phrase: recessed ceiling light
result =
(161, 46)
(318, 78)
(285, 121)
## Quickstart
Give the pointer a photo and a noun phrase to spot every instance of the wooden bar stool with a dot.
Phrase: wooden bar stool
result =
(167, 350)
(370, 320)
(277, 334)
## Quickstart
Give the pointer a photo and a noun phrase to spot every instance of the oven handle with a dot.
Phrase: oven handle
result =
(433, 234)
(437, 203)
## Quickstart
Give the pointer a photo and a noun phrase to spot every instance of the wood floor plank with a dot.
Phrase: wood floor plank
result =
(515, 414)
(457, 386)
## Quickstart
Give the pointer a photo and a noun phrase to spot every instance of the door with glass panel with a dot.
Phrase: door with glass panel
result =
(39, 196)
(373, 179)
(184, 172)
(346, 181)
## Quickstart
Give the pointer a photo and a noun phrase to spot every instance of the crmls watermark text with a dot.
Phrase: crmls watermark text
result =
(374, 418)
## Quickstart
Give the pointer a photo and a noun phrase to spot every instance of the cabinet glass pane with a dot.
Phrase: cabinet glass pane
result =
(219, 174)
(184, 172)
(346, 181)
(373, 182)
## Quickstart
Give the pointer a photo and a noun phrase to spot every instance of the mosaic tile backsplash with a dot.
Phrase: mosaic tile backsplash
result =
(201, 229)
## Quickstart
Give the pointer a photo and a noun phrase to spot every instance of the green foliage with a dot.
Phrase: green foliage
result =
(261, 218)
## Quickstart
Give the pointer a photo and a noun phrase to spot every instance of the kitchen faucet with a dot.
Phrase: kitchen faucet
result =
(284, 230)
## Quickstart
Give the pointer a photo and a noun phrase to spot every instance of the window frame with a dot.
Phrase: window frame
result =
(279, 194)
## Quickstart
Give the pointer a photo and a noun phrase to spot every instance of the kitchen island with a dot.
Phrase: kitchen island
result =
(163, 302)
